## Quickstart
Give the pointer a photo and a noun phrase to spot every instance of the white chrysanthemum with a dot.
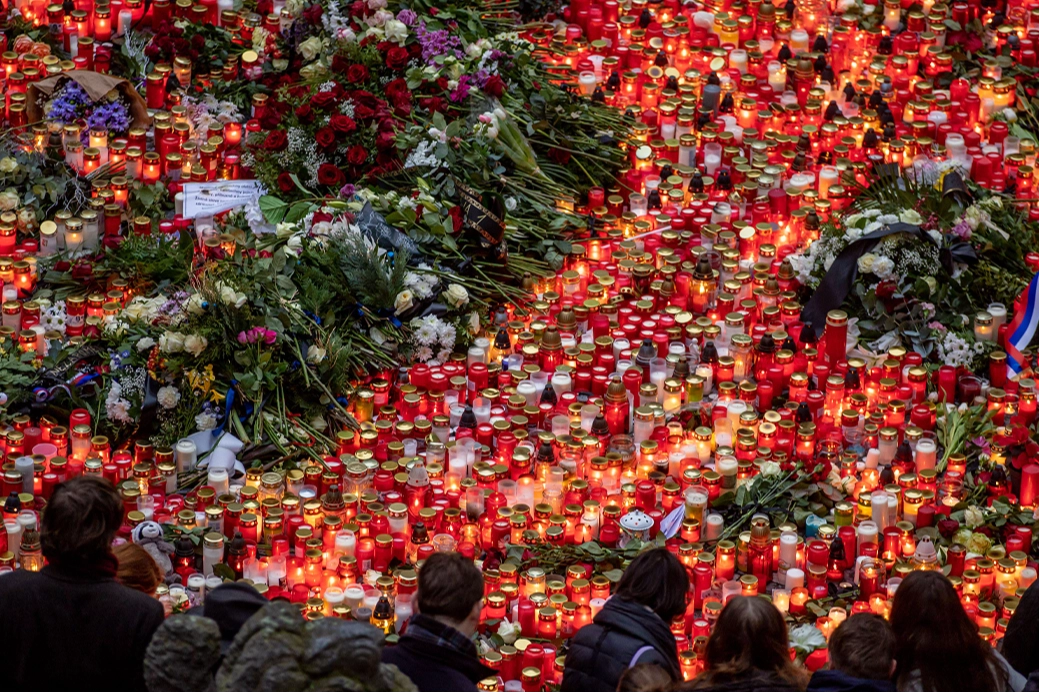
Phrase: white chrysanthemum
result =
(206, 421)
(884, 267)
(426, 334)
(423, 354)
(168, 397)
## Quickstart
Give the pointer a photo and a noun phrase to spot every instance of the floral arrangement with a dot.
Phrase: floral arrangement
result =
(922, 290)
(70, 103)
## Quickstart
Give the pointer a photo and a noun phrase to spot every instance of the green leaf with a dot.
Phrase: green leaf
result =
(298, 211)
(953, 25)
(613, 575)
(223, 571)
(273, 209)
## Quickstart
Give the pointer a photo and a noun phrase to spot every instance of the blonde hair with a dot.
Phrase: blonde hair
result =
(137, 569)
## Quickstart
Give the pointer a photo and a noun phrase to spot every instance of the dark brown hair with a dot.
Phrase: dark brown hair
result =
(657, 579)
(137, 569)
(935, 639)
(749, 637)
(81, 520)
(645, 677)
(864, 647)
(450, 585)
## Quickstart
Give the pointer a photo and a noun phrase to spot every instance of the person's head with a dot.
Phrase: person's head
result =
(656, 579)
(935, 638)
(750, 634)
(80, 521)
(230, 605)
(450, 589)
(863, 647)
(1021, 642)
(137, 569)
(645, 677)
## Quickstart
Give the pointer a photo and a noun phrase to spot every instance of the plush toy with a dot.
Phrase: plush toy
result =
(148, 535)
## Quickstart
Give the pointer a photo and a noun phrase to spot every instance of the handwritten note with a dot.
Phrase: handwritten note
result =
(207, 199)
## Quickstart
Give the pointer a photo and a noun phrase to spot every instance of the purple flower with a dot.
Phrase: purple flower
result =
(437, 43)
(461, 92)
(961, 231)
(347, 191)
(407, 17)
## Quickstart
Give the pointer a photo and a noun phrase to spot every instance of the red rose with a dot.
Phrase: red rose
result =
(329, 174)
(276, 141)
(305, 113)
(397, 58)
(325, 137)
(397, 87)
(358, 8)
(339, 64)
(456, 218)
(320, 217)
(285, 182)
(385, 139)
(559, 156)
(323, 100)
(494, 86)
(198, 42)
(886, 289)
(948, 527)
(342, 123)
(356, 73)
(356, 155)
(313, 13)
(62, 266)
(433, 104)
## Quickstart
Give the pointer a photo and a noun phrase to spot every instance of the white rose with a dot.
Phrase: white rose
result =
(973, 517)
(8, 200)
(508, 631)
(405, 300)
(228, 295)
(8, 165)
(474, 323)
(295, 244)
(315, 354)
(284, 229)
(396, 31)
(194, 304)
(866, 263)
(770, 469)
(195, 344)
(910, 216)
(456, 295)
(310, 48)
(171, 342)
(145, 343)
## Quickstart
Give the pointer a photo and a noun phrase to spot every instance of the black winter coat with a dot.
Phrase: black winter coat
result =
(74, 631)
(829, 680)
(601, 651)
(434, 667)
(754, 680)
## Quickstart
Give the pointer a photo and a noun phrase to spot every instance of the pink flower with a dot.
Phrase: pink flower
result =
(270, 337)
(242, 337)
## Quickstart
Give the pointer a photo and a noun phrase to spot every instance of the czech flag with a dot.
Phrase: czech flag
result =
(1022, 328)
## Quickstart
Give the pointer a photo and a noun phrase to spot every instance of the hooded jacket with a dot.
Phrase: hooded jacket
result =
(622, 635)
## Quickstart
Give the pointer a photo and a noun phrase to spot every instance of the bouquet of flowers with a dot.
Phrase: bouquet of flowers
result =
(925, 263)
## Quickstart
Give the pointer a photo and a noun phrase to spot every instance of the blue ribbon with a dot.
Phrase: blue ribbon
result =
(228, 408)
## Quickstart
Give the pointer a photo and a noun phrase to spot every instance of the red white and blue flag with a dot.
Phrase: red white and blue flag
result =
(1022, 328)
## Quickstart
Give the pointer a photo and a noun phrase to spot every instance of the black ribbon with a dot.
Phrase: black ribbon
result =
(483, 216)
(834, 287)
(839, 279)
